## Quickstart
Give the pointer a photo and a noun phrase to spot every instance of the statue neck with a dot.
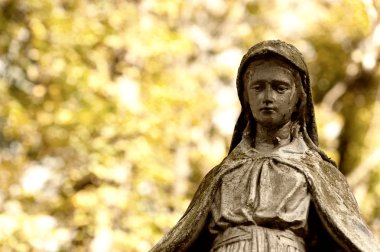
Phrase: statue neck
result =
(266, 139)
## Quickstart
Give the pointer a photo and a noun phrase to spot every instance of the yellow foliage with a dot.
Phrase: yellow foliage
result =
(120, 107)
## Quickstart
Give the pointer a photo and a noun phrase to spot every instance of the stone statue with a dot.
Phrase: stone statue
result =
(276, 190)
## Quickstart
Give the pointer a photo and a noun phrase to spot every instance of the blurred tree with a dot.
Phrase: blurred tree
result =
(112, 111)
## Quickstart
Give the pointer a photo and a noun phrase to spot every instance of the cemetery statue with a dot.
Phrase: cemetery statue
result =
(276, 190)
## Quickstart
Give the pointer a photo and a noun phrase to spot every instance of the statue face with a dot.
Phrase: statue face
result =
(271, 92)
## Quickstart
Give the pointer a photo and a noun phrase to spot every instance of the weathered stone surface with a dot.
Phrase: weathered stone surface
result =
(276, 190)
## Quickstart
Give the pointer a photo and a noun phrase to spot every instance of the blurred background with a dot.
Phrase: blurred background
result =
(112, 111)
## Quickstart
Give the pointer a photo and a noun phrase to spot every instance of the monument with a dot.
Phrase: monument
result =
(276, 190)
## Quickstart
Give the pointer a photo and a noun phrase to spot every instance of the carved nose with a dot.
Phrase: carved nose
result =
(268, 96)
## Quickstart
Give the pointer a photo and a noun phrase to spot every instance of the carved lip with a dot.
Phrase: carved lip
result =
(268, 109)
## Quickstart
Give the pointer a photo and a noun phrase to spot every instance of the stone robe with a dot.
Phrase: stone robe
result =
(334, 220)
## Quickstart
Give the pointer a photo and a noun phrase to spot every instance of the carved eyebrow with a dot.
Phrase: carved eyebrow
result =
(275, 82)
(257, 83)
(279, 82)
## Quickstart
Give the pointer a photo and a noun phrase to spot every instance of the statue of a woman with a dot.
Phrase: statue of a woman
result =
(276, 190)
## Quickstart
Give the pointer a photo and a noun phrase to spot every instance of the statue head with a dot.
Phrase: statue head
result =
(274, 62)
(273, 93)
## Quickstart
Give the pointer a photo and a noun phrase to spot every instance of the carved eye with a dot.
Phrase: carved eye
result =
(281, 88)
(257, 87)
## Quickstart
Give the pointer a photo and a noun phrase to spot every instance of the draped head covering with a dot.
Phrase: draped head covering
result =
(292, 57)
